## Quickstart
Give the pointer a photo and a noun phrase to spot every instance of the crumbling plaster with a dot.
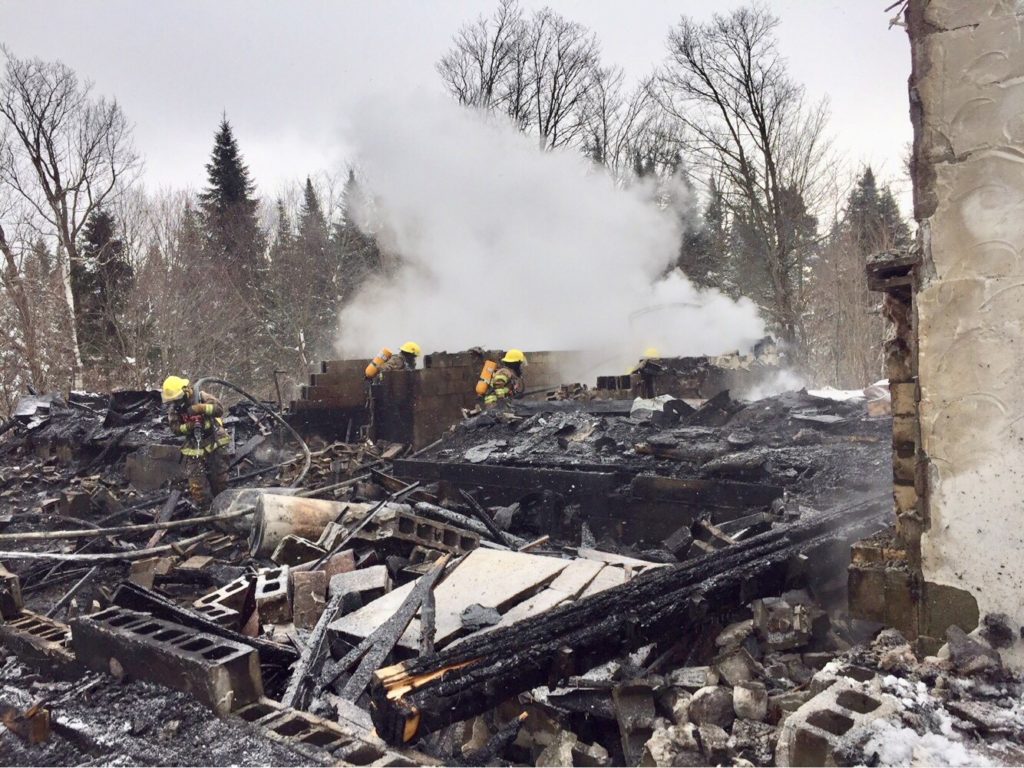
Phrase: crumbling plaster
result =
(967, 92)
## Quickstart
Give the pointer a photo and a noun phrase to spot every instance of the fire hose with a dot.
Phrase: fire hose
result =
(308, 458)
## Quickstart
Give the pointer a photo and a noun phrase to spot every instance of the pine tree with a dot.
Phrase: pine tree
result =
(233, 236)
(357, 253)
(873, 218)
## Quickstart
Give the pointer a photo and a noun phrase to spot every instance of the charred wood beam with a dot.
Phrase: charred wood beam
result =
(300, 686)
(425, 694)
(483, 517)
(383, 639)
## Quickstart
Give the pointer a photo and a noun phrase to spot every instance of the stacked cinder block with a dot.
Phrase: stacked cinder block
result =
(413, 407)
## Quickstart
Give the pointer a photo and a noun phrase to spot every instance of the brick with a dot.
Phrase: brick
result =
(220, 673)
(309, 597)
(10, 594)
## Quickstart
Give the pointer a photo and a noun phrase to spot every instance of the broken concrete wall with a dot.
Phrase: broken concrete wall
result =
(967, 99)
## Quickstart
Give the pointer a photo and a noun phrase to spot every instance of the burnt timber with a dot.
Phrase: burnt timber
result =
(420, 696)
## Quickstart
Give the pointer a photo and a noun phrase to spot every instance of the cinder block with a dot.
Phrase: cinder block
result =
(906, 431)
(904, 398)
(10, 594)
(222, 674)
(905, 497)
(37, 639)
(309, 597)
(432, 534)
(220, 615)
(271, 595)
(360, 587)
(838, 717)
(233, 595)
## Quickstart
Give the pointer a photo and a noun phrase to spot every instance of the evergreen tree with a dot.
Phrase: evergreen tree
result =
(282, 250)
(233, 238)
(313, 246)
(357, 253)
(873, 217)
(101, 279)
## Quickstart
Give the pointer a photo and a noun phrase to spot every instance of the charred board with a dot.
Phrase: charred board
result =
(422, 695)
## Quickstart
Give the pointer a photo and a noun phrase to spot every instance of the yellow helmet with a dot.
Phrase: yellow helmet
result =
(173, 389)
(652, 352)
(411, 347)
(514, 356)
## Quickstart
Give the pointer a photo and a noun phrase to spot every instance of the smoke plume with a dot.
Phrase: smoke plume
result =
(503, 245)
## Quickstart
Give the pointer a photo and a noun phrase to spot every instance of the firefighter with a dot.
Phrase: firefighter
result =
(205, 448)
(405, 360)
(507, 382)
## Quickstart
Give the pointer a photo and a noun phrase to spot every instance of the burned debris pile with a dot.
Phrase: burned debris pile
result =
(646, 582)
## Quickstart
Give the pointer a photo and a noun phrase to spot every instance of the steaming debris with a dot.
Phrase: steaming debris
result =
(576, 258)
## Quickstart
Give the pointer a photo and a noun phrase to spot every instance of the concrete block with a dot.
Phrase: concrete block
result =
(836, 718)
(142, 572)
(781, 625)
(309, 597)
(271, 595)
(220, 673)
(10, 594)
(904, 398)
(340, 562)
(360, 587)
(220, 615)
(37, 639)
(234, 595)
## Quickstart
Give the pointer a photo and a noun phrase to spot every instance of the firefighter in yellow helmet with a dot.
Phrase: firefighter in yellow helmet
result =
(206, 441)
(405, 360)
(508, 381)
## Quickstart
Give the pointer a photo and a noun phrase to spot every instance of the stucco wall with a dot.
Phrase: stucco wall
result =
(967, 95)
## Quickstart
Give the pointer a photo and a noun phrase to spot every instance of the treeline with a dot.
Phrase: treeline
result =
(103, 284)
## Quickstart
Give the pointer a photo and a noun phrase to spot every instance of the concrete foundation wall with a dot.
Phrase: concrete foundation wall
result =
(967, 97)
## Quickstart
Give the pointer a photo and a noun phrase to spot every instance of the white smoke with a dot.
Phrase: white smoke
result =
(503, 245)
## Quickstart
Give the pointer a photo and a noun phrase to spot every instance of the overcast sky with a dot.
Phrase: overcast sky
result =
(287, 71)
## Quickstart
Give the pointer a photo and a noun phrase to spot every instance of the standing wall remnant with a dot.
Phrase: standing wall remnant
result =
(967, 106)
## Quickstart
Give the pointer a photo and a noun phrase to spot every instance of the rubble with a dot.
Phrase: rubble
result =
(561, 586)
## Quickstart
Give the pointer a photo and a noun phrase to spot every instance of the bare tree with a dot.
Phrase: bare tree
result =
(535, 70)
(68, 153)
(480, 68)
(747, 122)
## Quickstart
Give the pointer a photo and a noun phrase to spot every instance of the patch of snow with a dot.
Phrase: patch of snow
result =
(899, 746)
